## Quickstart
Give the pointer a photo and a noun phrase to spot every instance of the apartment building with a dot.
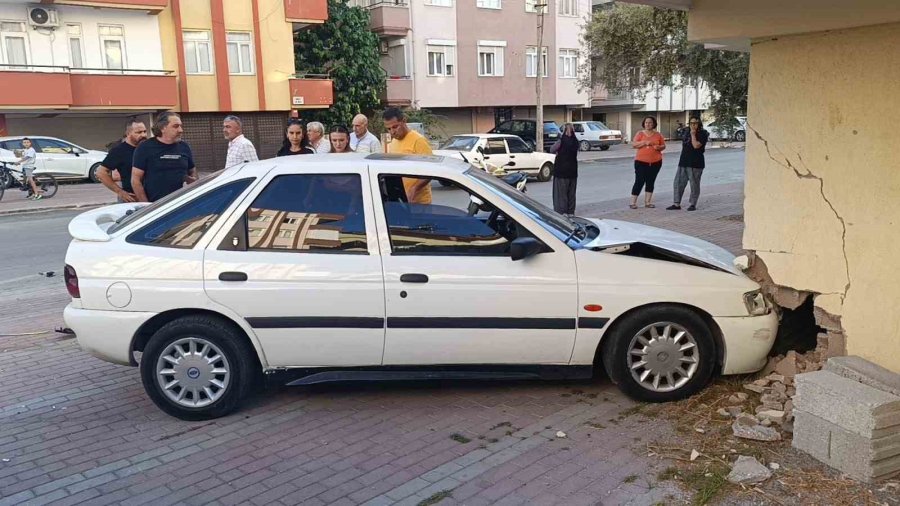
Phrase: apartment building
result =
(474, 62)
(77, 72)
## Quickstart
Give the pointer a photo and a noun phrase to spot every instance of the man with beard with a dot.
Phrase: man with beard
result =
(120, 158)
(164, 163)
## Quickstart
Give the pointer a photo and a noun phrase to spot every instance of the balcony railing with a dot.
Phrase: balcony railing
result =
(398, 91)
(306, 12)
(311, 91)
(154, 6)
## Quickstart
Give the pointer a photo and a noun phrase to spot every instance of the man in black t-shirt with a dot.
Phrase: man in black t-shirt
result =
(691, 163)
(164, 163)
(120, 158)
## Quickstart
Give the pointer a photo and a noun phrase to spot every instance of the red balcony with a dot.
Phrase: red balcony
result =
(311, 92)
(64, 88)
(390, 18)
(154, 6)
(306, 11)
(397, 92)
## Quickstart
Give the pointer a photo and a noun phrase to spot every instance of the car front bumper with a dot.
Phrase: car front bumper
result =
(748, 340)
(106, 335)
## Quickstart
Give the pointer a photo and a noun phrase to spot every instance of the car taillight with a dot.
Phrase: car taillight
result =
(72, 282)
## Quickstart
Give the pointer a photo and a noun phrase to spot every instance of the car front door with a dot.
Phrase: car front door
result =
(453, 295)
(61, 158)
(299, 261)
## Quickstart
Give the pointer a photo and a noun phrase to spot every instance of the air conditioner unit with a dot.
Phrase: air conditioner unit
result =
(383, 47)
(43, 17)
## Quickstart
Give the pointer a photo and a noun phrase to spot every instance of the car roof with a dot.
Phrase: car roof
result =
(487, 136)
(20, 137)
(531, 119)
(350, 161)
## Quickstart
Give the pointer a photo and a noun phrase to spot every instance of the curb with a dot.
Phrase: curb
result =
(53, 208)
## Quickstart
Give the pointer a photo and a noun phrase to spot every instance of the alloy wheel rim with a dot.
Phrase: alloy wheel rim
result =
(193, 372)
(663, 357)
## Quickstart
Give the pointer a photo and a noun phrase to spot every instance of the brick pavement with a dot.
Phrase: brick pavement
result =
(74, 429)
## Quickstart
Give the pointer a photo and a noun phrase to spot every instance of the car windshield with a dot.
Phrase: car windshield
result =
(597, 126)
(137, 212)
(555, 223)
(550, 128)
(460, 143)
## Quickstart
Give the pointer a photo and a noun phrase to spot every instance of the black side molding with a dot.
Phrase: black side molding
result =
(592, 323)
(315, 322)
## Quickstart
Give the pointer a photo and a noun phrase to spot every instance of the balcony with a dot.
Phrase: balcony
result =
(311, 92)
(398, 92)
(305, 12)
(154, 6)
(49, 87)
(389, 18)
(601, 97)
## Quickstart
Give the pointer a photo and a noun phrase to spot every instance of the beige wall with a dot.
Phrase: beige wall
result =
(823, 180)
(277, 53)
(91, 132)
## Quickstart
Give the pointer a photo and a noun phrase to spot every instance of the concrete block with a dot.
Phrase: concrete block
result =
(865, 372)
(854, 406)
(857, 456)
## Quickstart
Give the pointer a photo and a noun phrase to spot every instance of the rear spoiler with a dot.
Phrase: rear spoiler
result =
(92, 225)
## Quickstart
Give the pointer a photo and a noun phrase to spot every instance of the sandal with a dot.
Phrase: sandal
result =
(633, 206)
(651, 206)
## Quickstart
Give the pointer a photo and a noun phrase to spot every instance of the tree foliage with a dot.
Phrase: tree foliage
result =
(635, 47)
(344, 49)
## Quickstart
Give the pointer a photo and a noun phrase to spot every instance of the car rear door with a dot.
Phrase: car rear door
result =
(520, 153)
(299, 260)
(495, 152)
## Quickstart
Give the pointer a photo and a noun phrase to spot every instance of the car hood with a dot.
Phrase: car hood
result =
(622, 233)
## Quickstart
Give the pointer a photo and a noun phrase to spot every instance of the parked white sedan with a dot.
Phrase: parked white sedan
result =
(321, 269)
(56, 156)
(499, 150)
(591, 134)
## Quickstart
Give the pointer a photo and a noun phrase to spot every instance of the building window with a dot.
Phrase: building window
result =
(568, 63)
(197, 53)
(441, 60)
(531, 5)
(112, 43)
(488, 4)
(568, 7)
(440, 3)
(490, 58)
(14, 42)
(76, 46)
(531, 62)
(240, 52)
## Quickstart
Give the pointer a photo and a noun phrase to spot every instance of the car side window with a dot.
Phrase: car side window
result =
(495, 147)
(476, 228)
(506, 126)
(309, 213)
(52, 147)
(184, 226)
(517, 145)
(519, 127)
(13, 144)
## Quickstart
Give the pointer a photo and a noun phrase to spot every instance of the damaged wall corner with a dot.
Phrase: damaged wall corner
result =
(784, 296)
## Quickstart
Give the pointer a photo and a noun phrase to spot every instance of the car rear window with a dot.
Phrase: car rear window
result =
(551, 128)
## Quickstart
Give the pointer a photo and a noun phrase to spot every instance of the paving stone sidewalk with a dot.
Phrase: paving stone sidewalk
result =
(75, 430)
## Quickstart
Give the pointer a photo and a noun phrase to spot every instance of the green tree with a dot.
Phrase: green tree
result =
(633, 47)
(344, 49)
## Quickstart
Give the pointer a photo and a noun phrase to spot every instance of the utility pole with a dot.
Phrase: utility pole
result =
(539, 87)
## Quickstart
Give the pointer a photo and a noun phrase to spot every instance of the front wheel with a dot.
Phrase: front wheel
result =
(47, 184)
(740, 136)
(660, 354)
(584, 146)
(92, 174)
(604, 148)
(197, 368)
(545, 173)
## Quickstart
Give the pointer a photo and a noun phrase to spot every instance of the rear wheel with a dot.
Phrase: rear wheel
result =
(584, 146)
(198, 368)
(604, 148)
(545, 173)
(660, 353)
(92, 174)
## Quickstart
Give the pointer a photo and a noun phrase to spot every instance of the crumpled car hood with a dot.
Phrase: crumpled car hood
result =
(619, 233)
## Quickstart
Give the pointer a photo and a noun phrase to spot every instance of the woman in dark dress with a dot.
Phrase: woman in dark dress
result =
(295, 141)
(565, 171)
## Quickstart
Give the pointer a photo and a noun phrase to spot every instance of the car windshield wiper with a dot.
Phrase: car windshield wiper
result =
(578, 228)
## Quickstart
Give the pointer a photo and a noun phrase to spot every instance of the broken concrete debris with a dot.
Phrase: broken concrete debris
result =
(748, 470)
(757, 431)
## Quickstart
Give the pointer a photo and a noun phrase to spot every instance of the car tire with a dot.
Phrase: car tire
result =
(584, 146)
(545, 172)
(92, 174)
(178, 356)
(688, 369)
(604, 148)
(740, 136)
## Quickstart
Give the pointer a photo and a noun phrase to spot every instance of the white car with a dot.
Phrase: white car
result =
(498, 150)
(740, 131)
(321, 270)
(56, 156)
(591, 134)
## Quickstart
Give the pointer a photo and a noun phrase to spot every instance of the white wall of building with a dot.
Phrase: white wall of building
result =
(142, 46)
(568, 36)
(437, 24)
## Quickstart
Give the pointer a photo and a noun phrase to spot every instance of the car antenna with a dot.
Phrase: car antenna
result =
(464, 157)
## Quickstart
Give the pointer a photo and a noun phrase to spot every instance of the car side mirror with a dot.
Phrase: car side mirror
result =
(524, 247)
(480, 150)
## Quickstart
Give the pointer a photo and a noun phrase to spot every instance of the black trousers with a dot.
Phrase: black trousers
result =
(564, 194)
(645, 176)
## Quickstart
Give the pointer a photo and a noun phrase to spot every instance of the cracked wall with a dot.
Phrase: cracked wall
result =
(822, 198)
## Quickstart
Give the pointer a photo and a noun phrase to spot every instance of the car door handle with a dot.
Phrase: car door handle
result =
(413, 278)
(233, 276)
(487, 158)
(512, 156)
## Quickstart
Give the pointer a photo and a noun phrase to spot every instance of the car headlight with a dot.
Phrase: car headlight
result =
(756, 303)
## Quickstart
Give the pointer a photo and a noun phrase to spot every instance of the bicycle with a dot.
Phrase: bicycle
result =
(46, 182)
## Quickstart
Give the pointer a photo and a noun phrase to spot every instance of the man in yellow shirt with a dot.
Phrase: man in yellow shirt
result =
(406, 141)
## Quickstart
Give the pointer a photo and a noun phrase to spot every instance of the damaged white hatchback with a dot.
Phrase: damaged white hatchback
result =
(321, 269)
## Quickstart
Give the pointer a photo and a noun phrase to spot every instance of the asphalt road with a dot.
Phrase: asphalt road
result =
(36, 243)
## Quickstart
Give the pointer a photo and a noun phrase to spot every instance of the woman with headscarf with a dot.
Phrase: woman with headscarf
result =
(565, 171)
